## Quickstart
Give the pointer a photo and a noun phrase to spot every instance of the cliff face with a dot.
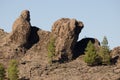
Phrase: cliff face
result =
(29, 46)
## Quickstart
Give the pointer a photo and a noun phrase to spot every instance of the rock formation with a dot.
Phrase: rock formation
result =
(21, 29)
(36, 57)
(65, 31)
(28, 45)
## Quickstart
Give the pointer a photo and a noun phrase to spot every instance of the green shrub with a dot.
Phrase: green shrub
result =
(12, 70)
(51, 49)
(90, 54)
(2, 72)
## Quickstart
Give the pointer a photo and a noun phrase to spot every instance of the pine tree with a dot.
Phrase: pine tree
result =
(12, 70)
(51, 49)
(104, 51)
(2, 72)
(105, 43)
(90, 54)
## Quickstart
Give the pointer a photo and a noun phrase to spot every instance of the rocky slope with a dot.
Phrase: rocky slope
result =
(29, 46)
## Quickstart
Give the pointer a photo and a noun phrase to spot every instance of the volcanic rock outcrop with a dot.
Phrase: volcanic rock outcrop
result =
(21, 29)
(65, 31)
(29, 46)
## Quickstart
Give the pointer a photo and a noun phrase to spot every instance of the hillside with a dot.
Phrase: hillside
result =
(29, 46)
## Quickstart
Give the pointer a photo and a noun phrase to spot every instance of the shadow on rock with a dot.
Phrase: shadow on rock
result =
(81, 45)
(24, 79)
(33, 38)
(115, 59)
(115, 54)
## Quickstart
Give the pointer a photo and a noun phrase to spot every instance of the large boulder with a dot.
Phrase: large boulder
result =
(21, 29)
(65, 31)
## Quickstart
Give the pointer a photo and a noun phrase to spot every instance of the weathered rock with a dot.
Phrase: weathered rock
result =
(3, 34)
(115, 51)
(115, 54)
(82, 44)
(36, 56)
(14, 44)
(21, 29)
(1, 31)
(65, 31)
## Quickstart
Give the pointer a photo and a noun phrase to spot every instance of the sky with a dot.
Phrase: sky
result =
(100, 17)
